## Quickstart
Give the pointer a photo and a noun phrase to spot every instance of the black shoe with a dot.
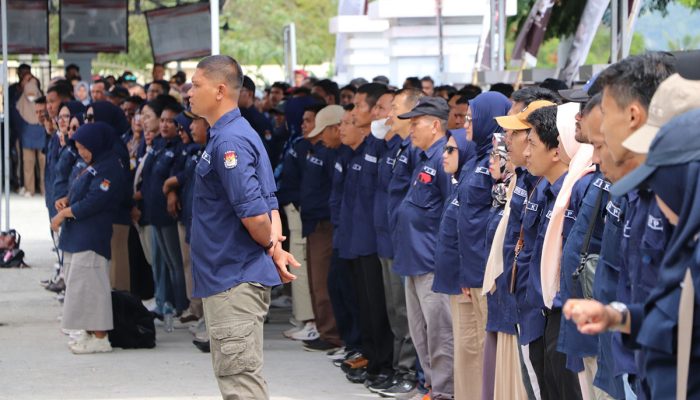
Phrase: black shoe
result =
(401, 387)
(352, 356)
(382, 382)
(358, 375)
(56, 287)
(319, 345)
(202, 346)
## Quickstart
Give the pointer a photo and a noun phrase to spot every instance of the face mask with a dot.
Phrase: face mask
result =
(380, 128)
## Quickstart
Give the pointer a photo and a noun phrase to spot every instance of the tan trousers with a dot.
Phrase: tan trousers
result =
(302, 309)
(319, 246)
(235, 319)
(146, 238)
(508, 380)
(30, 158)
(469, 330)
(195, 303)
(119, 272)
(586, 377)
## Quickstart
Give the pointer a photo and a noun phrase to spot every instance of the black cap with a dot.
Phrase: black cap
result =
(381, 79)
(433, 106)
(118, 91)
(279, 108)
(248, 83)
(583, 94)
(673, 145)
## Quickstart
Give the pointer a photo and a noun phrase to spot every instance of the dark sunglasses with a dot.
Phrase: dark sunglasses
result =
(449, 149)
(73, 128)
(89, 117)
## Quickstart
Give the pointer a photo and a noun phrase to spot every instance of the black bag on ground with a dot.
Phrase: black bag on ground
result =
(11, 256)
(133, 323)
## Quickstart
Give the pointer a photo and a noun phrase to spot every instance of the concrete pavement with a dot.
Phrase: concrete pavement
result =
(35, 362)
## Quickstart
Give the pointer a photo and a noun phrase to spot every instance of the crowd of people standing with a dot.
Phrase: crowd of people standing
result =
(537, 243)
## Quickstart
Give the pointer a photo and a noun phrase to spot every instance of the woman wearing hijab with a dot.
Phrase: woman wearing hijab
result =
(86, 230)
(67, 155)
(81, 91)
(667, 325)
(108, 113)
(475, 205)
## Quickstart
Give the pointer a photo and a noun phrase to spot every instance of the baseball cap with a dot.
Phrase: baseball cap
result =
(674, 96)
(433, 106)
(580, 95)
(328, 116)
(518, 121)
(673, 145)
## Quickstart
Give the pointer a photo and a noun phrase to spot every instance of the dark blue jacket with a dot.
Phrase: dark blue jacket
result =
(93, 199)
(387, 163)
(335, 200)
(494, 318)
(316, 183)
(53, 153)
(358, 199)
(406, 159)
(418, 217)
(447, 249)
(191, 153)
(475, 196)
(233, 181)
(166, 161)
(292, 167)
(571, 342)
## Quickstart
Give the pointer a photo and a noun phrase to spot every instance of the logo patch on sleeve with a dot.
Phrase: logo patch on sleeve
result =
(230, 159)
(425, 178)
(104, 186)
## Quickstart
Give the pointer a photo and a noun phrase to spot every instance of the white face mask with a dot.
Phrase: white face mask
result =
(380, 128)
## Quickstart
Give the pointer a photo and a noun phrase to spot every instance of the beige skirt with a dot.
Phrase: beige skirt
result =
(88, 301)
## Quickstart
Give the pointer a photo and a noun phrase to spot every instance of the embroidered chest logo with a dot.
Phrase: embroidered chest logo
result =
(655, 224)
(482, 170)
(357, 167)
(206, 157)
(455, 202)
(315, 161)
(390, 161)
(520, 192)
(424, 177)
(104, 186)
(230, 159)
(602, 184)
(627, 229)
(613, 210)
(429, 171)
(532, 206)
(339, 167)
(370, 158)
(570, 215)
(403, 159)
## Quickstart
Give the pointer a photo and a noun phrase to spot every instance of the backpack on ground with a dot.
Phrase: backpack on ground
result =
(133, 323)
(11, 256)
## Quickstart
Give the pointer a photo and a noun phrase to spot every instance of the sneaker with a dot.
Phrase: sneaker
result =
(382, 382)
(77, 336)
(337, 354)
(202, 336)
(150, 304)
(282, 302)
(200, 326)
(56, 287)
(91, 344)
(308, 333)
(357, 375)
(319, 345)
(291, 331)
(401, 387)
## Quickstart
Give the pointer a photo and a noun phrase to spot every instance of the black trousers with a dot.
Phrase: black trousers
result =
(341, 289)
(555, 380)
(377, 339)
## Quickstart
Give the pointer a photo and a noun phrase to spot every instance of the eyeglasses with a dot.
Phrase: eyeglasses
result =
(73, 128)
(64, 117)
(468, 120)
(449, 149)
(89, 117)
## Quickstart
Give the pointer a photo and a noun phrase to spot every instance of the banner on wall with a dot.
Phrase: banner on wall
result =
(180, 33)
(94, 26)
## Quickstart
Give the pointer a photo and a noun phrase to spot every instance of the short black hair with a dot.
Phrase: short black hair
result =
(451, 90)
(461, 99)
(470, 91)
(40, 100)
(427, 78)
(637, 77)
(134, 99)
(225, 68)
(554, 84)
(158, 65)
(531, 93)
(544, 123)
(62, 88)
(104, 82)
(592, 103)
(504, 88)
(280, 85)
(301, 90)
(24, 67)
(164, 84)
(412, 82)
(315, 108)
(330, 88)
(248, 83)
(373, 91)
(350, 88)
(72, 66)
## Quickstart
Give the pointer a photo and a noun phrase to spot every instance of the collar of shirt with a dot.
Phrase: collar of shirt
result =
(361, 148)
(553, 189)
(225, 120)
(632, 196)
(394, 141)
(434, 148)
(405, 142)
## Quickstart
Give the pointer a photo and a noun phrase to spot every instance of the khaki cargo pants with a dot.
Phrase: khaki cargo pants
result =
(234, 321)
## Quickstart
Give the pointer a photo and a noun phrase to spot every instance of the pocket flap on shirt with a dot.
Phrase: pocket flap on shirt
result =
(238, 330)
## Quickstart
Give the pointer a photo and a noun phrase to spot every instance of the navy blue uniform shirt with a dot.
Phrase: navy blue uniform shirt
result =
(191, 153)
(475, 196)
(165, 161)
(387, 163)
(358, 199)
(64, 166)
(418, 216)
(336, 198)
(316, 182)
(233, 180)
(406, 158)
(53, 152)
(292, 168)
(93, 199)
(447, 251)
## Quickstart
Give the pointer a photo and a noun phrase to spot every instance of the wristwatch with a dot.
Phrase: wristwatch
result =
(622, 309)
(269, 246)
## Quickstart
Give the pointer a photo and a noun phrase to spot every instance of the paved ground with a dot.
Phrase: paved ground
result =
(36, 364)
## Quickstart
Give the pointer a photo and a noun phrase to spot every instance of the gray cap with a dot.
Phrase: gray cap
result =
(676, 143)
(433, 106)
